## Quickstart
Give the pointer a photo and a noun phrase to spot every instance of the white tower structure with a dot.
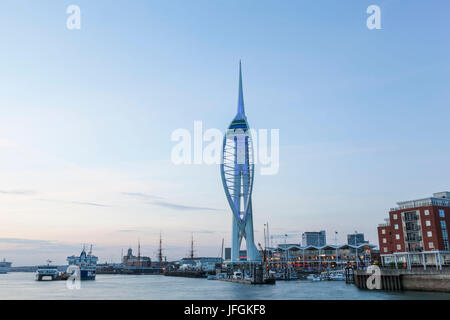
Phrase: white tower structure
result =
(237, 170)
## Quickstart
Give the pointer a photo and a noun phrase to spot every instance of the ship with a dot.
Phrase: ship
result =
(87, 264)
(4, 266)
(48, 271)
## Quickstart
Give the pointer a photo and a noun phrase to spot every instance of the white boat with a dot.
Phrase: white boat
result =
(337, 276)
(47, 272)
(4, 266)
(313, 277)
(237, 275)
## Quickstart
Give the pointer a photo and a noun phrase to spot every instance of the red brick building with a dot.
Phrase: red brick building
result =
(417, 226)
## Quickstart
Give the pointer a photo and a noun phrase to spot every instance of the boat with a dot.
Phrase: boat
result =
(337, 276)
(4, 266)
(313, 277)
(237, 275)
(87, 264)
(47, 272)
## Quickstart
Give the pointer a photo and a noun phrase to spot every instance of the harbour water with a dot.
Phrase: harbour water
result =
(23, 286)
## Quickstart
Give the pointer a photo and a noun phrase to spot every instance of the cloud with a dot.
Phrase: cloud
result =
(31, 246)
(24, 241)
(141, 195)
(77, 202)
(5, 143)
(90, 204)
(204, 231)
(18, 192)
(181, 207)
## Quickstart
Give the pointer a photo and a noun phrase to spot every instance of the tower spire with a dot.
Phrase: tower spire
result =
(241, 110)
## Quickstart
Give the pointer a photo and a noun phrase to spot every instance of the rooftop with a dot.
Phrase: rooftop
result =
(441, 199)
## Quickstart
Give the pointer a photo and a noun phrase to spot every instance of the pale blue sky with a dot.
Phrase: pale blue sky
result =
(86, 118)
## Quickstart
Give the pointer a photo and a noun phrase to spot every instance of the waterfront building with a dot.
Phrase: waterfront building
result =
(322, 257)
(131, 260)
(242, 254)
(317, 239)
(416, 232)
(356, 238)
(237, 172)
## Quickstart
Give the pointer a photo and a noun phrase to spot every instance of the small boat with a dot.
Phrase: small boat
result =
(237, 275)
(313, 277)
(337, 277)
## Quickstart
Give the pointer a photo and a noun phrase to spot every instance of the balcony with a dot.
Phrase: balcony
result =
(412, 228)
(411, 218)
(413, 238)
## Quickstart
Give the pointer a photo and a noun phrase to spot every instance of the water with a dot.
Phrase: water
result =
(23, 286)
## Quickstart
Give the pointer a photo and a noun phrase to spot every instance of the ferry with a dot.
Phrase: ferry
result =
(4, 266)
(87, 264)
(47, 271)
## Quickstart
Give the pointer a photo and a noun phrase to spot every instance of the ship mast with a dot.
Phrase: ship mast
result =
(139, 253)
(160, 255)
(191, 255)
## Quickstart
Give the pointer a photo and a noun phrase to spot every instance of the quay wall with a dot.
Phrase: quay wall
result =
(414, 280)
(422, 282)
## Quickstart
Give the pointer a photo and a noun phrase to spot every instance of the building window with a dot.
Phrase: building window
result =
(396, 226)
(385, 249)
(399, 247)
(427, 212)
(394, 216)
(397, 236)
(429, 234)
(383, 231)
(384, 240)
(428, 223)
(431, 245)
(441, 213)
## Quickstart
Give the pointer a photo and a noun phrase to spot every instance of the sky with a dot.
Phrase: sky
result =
(86, 118)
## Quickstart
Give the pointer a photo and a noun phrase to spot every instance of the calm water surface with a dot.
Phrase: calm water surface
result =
(23, 286)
